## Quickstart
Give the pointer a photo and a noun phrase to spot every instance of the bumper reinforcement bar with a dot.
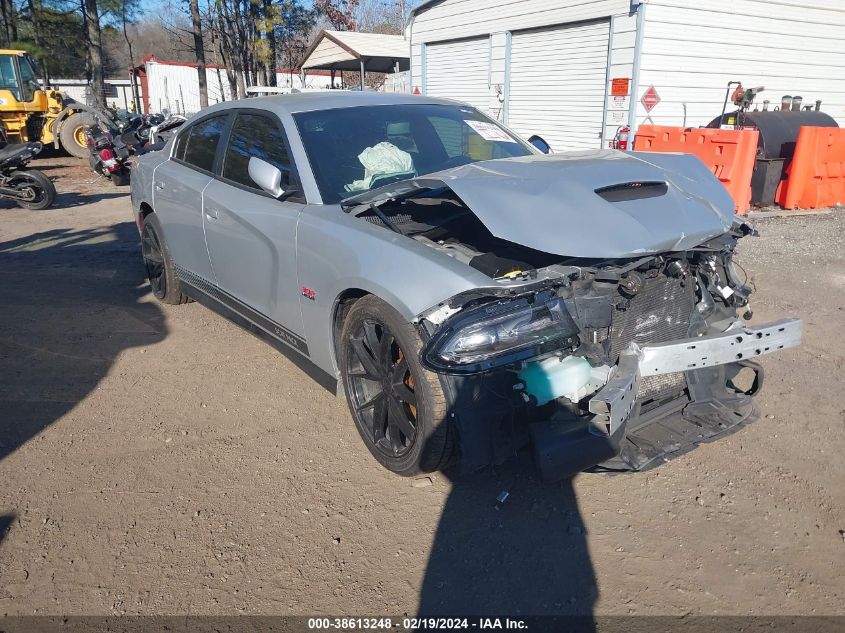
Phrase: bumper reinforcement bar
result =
(614, 404)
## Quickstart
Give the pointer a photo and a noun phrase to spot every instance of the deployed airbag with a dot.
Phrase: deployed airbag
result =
(379, 161)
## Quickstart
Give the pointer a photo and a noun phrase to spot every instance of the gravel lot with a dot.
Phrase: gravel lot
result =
(159, 460)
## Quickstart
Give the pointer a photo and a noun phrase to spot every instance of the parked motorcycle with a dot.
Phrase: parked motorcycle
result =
(111, 147)
(135, 129)
(108, 153)
(161, 132)
(29, 188)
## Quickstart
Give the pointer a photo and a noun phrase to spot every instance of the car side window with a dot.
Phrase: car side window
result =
(179, 145)
(201, 142)
(259, 136)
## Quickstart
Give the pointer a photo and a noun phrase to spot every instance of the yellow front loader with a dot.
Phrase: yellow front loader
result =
(29, 112)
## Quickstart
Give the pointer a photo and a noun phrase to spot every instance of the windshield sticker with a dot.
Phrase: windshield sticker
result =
(489, 131)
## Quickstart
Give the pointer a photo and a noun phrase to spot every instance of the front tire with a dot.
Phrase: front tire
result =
(72, 134)
(399, 408)
(35, 184)
(160, 269)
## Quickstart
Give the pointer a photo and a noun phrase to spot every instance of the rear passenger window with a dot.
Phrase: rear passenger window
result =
(201, 143)
(179, 145)
(259, 136)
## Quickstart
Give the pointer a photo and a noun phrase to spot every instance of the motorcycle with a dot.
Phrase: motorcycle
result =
(162, 131)
(30, 188)
(111, 147)
(108, 154)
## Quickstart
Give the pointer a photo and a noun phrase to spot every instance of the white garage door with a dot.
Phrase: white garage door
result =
(459, 70)
(557, 84)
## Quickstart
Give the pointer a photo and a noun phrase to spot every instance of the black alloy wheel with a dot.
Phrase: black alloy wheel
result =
(159, 266)
(154, 260)
(399, 407)
(382, 391)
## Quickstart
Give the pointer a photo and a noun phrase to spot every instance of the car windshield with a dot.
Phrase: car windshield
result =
(352, 150)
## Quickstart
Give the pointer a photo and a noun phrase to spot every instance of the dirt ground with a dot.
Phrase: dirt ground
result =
(159, 460)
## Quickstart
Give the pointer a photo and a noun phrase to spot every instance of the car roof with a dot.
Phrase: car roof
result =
(327, 100)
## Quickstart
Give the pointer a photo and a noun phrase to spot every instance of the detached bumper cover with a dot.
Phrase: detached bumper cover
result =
(618, 437)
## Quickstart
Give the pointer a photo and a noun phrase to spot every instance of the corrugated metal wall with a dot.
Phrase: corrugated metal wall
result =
(118, 91)
(176, 88)
(623, 34)
(459, 70)
(503, 20)
(454, 19)
(557, 84)
(692, 49)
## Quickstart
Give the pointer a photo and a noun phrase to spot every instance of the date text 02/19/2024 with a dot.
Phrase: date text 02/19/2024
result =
(415, 624)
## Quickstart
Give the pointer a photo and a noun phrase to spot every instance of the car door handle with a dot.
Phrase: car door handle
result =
(211, 213)
(159, 185)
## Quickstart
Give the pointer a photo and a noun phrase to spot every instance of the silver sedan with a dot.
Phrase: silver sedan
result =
(468, 294)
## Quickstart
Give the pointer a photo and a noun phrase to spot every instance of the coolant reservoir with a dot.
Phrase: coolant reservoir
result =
(554, 377)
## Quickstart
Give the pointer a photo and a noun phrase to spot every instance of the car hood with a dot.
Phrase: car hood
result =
(595, 204)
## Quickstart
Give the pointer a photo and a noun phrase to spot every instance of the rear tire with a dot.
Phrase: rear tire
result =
(72, 134)
(399, 407)
(161, 273)
(42, 188)
(120, 179)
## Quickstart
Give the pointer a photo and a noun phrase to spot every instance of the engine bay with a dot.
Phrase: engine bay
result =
(444, 223)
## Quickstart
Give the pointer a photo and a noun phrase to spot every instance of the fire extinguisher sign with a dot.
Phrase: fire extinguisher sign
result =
(619, 87)
(650, 99)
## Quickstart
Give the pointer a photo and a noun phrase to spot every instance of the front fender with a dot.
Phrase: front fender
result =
(337, 252)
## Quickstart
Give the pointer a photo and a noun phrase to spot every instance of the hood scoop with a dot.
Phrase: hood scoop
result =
(633, 191)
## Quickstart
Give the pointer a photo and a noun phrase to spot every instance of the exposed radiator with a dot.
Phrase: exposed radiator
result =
(659, 312)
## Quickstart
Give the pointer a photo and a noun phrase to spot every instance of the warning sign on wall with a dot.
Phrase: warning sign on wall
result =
(619, 103)
(617, 117)
(619, 87)
(650, 99)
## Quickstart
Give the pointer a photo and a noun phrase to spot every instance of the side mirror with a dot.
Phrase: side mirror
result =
(540, 143)
(267, 176)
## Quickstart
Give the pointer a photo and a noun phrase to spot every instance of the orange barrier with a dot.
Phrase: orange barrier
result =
(729, 154)
(816, 176)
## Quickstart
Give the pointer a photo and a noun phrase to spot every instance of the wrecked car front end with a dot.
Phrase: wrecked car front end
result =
(610, 334)
(618, 365)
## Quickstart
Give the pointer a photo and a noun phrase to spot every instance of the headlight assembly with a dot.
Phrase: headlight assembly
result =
(500, 333)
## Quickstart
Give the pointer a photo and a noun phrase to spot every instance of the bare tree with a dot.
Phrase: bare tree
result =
(339, 13)
(10, 21)
(271, 21)
(199, 48)
(95, 53)
(382, 16)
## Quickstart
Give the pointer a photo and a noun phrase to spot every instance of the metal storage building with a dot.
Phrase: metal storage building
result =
(118, 91)
(574, 71)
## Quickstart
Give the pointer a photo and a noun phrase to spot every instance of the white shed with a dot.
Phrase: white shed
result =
(174, 86)
(574, 71)
(118, 91)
